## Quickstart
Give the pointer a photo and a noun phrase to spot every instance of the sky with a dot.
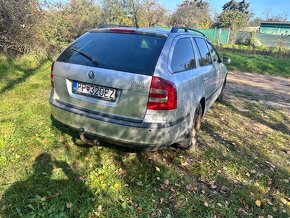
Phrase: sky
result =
(258, 7)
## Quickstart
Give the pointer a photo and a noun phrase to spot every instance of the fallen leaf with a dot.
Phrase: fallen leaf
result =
(269, 163)
(185, 164)
(219, 204)
(157, 169)
(270, 216)
(283, 200)
(161, 200)
(121, 171)
(258, 203)
(253, 171)
(224, 189)
(166, 182)
(241, 210)
(163, 186)
(248, 174)
(206, 204)
(139, 183)
(173, 190)
(100, 207)
(212, 185)
(269, 202)
(190, 187)
(69, 205)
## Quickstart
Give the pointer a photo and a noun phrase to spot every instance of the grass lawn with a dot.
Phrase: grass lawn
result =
(241, 167)
(258, 64)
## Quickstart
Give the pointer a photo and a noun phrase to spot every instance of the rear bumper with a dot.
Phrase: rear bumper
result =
(120, 131)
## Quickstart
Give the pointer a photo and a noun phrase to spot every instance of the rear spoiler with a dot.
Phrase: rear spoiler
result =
(127, 30)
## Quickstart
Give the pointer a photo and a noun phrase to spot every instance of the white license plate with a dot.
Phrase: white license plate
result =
(96, 91)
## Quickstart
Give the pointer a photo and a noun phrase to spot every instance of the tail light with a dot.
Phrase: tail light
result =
(162, 95)
(122, 31)
(51, 76)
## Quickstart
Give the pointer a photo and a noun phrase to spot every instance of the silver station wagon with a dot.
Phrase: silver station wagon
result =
(138, 87)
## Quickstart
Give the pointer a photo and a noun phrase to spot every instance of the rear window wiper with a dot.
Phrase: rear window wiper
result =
(93, 60)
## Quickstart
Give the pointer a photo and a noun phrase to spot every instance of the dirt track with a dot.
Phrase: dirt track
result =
(268, 89)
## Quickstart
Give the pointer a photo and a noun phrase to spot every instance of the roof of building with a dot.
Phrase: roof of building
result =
(276, 23)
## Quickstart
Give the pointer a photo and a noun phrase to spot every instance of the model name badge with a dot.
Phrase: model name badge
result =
(137, 84)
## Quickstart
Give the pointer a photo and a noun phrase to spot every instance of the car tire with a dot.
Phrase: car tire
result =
(190, 140)
(220, 98)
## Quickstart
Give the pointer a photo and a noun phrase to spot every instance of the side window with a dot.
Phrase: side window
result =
(205, 58)
(183, 56)
(214, 54)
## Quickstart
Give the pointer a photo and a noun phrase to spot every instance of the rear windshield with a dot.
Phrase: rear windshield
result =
(133, 53)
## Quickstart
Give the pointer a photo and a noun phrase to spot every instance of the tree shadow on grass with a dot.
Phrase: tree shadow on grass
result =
(189, 186)
(42, 196)
(146, 173)
(27, 74)
(254, 112)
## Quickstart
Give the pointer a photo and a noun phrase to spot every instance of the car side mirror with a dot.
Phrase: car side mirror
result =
(226, 60)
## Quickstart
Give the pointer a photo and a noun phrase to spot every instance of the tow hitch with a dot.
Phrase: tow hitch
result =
(90, 142)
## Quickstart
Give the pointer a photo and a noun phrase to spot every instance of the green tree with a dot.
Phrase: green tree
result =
(192, 13)
(233, 19)
(116, 12)
(63, 23)
(132, 12)
(151, 13)
(235, 15)
(18, 25)
(233, 5)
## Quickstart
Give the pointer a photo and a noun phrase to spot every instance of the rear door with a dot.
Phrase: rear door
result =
(217, 64)
(108, 72)
(207, 68)
(182, 64)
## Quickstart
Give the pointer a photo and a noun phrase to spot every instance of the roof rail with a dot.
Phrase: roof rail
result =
(175, 29)
(113, 26)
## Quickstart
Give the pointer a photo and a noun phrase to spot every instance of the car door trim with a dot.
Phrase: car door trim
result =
(214, 92)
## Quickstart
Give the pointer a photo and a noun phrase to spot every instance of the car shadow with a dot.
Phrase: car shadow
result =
(40, 193)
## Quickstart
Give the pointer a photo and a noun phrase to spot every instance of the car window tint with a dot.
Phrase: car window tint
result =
(134, 53)
(183, 56)
(205, 58)
(213, 52)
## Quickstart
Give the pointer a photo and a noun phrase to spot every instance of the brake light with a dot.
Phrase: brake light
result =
(122, 31)
(162, 95)
(52, 76)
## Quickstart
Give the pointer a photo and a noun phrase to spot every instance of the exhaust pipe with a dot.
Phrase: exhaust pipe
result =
(91, 142)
